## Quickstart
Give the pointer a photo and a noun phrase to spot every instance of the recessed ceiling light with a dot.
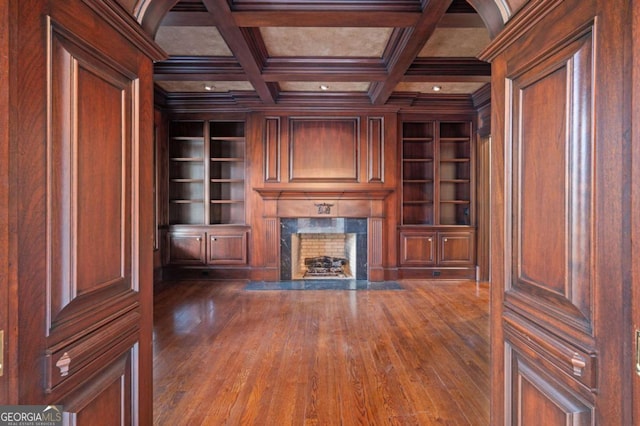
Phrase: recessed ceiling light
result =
(324, 87)
(209, 87)
(436, 88)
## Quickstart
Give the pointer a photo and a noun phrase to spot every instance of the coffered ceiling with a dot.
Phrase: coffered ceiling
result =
(367, 52)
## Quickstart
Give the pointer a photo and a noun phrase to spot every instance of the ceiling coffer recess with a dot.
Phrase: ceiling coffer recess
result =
(279, 51)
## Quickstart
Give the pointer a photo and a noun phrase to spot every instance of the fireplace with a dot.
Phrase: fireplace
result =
(323, 248)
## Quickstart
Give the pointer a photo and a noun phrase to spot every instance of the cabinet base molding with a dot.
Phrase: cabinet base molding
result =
(206, 273)
(468, 273)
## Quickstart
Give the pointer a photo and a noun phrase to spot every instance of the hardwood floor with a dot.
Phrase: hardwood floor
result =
(226, 356)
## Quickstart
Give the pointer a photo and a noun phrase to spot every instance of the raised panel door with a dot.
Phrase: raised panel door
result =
(85, 216)
(455, 248)
(417, 248)
(559, 191)
(186, 248)
(227, 249)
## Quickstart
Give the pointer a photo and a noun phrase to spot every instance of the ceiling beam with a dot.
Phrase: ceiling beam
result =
(375, 19)
(234, 38)
(451, 69)
(326, 18)
(322, 69)
(188, 19)
(336, 5)
(199, 68)
(408, 48)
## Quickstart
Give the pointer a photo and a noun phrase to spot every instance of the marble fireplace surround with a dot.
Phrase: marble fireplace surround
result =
(354, 226)
(289, 203)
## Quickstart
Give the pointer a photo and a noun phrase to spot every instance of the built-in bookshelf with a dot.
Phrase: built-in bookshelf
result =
(206, 172)
(186, 172)
(418, 150)
(437, 236)
(436, 173)
(454, 167)
(226, 172)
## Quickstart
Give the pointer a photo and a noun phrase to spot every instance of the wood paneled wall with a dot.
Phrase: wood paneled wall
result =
(7, 302)
(334, 157)
(324, 149)
(561, 162)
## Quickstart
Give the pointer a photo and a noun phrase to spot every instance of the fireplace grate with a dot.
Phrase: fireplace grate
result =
(325, 266)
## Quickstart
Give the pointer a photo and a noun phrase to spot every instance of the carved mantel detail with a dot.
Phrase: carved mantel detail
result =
(291, 202)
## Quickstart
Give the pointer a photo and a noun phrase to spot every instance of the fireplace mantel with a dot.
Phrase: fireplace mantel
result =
(295, 202)
(322, 194)
(291, 202)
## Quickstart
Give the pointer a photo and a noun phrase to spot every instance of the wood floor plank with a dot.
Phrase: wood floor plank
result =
(227, 356)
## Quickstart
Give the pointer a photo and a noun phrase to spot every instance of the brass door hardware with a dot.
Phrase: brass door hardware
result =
(1, 352)
(638, 352)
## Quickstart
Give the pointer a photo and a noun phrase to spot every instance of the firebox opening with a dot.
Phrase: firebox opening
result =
(342, 238)
(323, 256)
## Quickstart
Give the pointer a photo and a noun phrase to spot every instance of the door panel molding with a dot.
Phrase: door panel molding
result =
(537, 397)
(561, 233)
(553, 170)
(90, 201)
(111, 387)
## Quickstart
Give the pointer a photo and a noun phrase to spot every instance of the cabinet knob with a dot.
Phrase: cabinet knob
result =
(445, 240)
(199, 239)
(214, 239)
(429, 239)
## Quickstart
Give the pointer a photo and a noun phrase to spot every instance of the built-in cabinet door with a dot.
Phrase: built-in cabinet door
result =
(455, 248)
(186, 248)
(227, 249)
(83, 196)
(417, 248)
(560, 231)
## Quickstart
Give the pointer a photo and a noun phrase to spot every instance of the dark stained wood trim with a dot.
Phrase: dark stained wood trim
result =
(482, 96)
(635, 199)
(8, 283)
(288, 192)
(194, 16)
(211, 102)
(532, 13)
(189, 6)
(412, 43)
(346, 5)
(272, 241)
(256, 44)
(117, 17)
(335, 99)
(207, 68)
(375, 149)
(237, 43)
(429, 103)
(450, 69)
(324, 69)
(272, 149)
(328, 18)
